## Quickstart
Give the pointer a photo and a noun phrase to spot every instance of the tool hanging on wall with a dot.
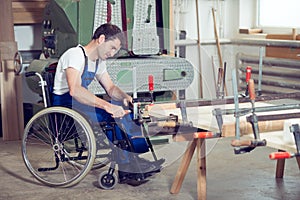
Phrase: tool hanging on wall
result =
(218, 45)
(221, 82)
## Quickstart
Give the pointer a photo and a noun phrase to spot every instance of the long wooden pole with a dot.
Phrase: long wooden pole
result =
(218, 47)
(199, 50)
(217, 39)
(11, 87)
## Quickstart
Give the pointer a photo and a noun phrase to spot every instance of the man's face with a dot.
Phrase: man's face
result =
(109, 48)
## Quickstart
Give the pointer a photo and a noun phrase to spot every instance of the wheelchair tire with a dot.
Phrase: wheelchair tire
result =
(54, 140)
(107, 181)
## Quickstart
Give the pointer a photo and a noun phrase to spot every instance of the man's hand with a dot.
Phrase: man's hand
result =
(116, 111)
(127, 101)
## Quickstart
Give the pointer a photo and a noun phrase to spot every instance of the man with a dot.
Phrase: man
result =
(76, 68)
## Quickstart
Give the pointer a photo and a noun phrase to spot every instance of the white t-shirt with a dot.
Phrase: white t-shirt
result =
(74, 58)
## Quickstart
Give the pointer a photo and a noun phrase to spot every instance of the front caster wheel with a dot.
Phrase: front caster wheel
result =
(107, 181)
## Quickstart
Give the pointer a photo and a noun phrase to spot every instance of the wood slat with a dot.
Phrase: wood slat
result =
(283, 52)
(28, 11)
(29, 0)
(28, 18)
(28, 6)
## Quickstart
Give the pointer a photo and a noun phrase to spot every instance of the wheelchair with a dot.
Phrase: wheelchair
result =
(60, 145)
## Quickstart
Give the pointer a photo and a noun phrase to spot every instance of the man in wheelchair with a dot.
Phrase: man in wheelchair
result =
(76, 68)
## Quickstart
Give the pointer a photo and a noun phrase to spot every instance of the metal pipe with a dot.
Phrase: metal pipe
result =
(260, 66)
(244, 111)
(266, 42)
(247, 42)
(270, 61)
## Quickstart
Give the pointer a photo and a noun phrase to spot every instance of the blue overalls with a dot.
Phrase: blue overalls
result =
(99, 115)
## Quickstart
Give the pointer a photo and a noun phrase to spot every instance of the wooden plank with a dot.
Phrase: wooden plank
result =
(29, 6)
(282, 37)
(30, 0)
(11, 108)
(28, 11)
(28, 17)
(7, 49)
(228, 130)
(250, 30)
(283, 52)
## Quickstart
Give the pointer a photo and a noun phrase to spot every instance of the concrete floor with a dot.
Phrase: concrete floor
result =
(248, 177)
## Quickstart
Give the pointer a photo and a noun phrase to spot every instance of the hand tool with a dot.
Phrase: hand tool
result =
(221, 82)
(248, 76)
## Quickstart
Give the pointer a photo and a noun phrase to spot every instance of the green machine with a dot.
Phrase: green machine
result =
(67, 23)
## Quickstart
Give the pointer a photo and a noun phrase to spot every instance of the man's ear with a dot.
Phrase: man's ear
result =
(101, 39)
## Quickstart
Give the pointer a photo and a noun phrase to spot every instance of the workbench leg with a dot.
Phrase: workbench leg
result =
(201, 169)
(298, 161)
(280, 167)
(181, 172)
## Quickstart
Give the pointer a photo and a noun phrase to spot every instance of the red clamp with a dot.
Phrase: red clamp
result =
(151, 83)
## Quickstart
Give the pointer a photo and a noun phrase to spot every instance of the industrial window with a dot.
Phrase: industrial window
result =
(279, 13)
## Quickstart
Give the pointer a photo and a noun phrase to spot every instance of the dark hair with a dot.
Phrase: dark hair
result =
(110, 31)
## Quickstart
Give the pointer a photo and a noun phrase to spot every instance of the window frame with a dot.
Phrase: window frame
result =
(272, 29)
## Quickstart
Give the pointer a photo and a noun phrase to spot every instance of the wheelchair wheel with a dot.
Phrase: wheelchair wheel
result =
(54, 140)
(107, 181)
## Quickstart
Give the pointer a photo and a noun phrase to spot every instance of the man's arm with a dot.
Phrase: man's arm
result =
(84, 96)
(112, 90)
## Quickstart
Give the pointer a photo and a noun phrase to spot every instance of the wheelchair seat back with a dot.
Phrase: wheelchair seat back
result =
(49, 79)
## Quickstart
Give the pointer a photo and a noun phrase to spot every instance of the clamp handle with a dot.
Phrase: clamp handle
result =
(280, 155)
(206, 135)
(248, 77)
(251, 89)
(248, 73)
(151, 83)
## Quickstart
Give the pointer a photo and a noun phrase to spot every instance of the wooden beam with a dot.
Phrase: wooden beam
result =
(28, 18)
(11, 93)
(28, 11)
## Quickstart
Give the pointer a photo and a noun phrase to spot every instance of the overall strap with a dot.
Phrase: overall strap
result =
(85, 57)
(86, 60)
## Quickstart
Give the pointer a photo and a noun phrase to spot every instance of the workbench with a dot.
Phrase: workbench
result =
(202, 118)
